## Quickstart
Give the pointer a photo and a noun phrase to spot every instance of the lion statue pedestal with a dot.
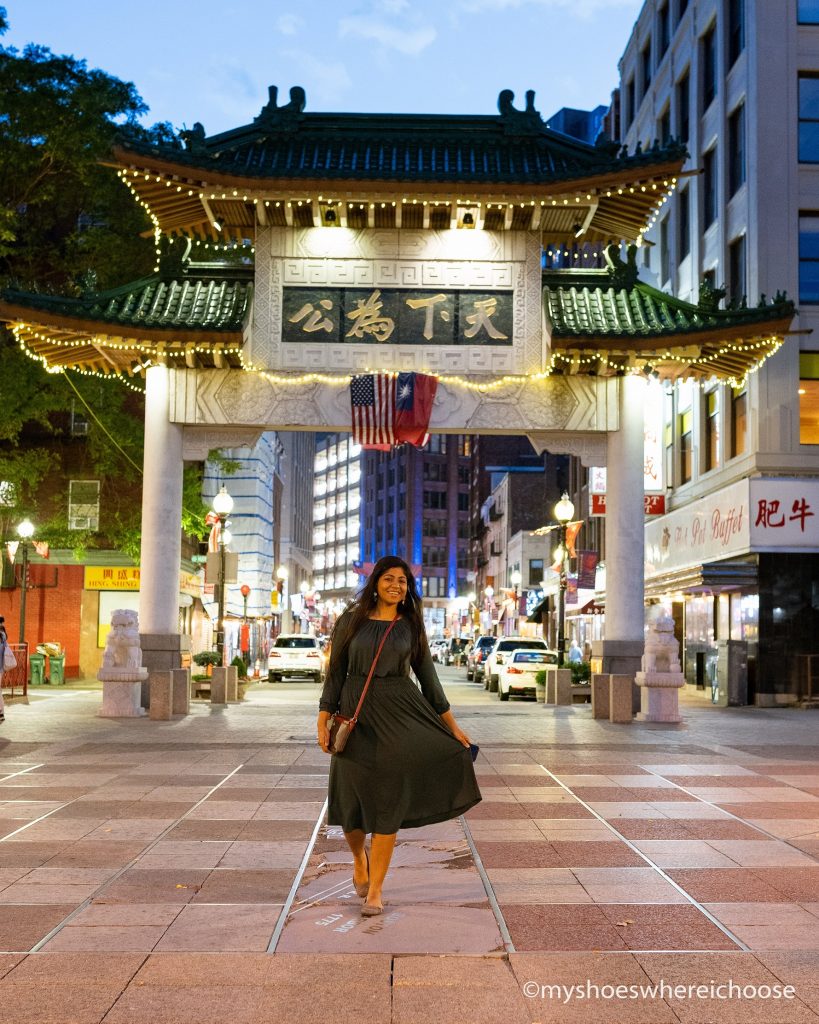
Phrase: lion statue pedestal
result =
(122, 672)
(661, 678)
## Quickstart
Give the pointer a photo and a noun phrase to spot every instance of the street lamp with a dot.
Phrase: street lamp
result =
(515, 579)
(222, 506)
(245, 592)
(564, 513)
(282, 575)
(304, 620)
(25, 531)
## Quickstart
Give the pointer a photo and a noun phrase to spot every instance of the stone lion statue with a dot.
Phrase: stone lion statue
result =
(122, 648)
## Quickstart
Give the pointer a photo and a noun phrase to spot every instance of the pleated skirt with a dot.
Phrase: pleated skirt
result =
(401, 768)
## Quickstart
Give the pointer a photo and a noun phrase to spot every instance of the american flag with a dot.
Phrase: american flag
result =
(372, 397)
(391, 408)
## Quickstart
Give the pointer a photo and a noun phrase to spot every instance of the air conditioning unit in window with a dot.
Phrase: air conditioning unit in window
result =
(83, 523)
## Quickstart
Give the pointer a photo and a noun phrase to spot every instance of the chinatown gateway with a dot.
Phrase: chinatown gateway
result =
(398, 242)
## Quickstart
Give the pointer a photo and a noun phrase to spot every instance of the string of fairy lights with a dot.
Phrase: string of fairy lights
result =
(574, 361)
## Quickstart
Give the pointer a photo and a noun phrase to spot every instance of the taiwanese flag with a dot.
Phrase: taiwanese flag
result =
(414, 395)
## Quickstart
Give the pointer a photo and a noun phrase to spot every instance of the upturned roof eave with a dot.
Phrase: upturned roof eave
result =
(206, 175)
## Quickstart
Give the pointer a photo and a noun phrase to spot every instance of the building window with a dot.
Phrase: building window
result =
(739, 422)
(684, 223)
(663, 30)
(664, 127)
(808, 119)
(434, 499)
(737, 270)
(709, 67)
(736, 150)
(807, 12)
(665, 270)
(711, 430)
(684, 107)
(685, 422)
(535, 571)
(736, 30)
(645, 65)
(809, 258)
(809, 397)
(630, 103)
(463, 502)
(437, 444)
(709, 188)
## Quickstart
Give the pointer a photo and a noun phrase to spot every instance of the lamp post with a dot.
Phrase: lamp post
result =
(472, 597)
(282, 574)
(515, 579)
(245, 591)
(564, 513)
(25, 531)
(489, 594)
(304, 621)
(222, 506)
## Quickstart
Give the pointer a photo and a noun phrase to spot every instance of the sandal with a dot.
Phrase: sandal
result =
(362, 888)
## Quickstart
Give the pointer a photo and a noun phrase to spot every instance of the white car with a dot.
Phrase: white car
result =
(295, 654)
(504, 645)
(520, 667)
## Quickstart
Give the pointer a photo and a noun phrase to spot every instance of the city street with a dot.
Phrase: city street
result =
(181, 871)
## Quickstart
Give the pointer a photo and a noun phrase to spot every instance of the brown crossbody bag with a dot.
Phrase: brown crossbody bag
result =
(341, 727)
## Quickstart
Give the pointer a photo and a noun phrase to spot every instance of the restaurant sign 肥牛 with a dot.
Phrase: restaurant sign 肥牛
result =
(397, 316)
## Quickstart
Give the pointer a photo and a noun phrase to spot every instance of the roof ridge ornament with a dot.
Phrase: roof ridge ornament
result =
(288, 115)
(194, 139)
(519, 122)
(623, 273)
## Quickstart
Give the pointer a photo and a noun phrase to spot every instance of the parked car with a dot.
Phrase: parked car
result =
(455, 650)
(516, 675)
(503, 646)
(437, 649)
(295, 654)
(476, 656)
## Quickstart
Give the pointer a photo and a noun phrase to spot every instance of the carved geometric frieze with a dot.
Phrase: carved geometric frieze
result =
(553, 407)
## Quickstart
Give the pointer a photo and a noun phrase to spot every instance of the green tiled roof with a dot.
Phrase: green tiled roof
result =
(588, 305)
(210, 302)
(513, 146)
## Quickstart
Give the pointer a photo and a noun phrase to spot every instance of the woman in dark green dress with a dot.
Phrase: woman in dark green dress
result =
(406, 763)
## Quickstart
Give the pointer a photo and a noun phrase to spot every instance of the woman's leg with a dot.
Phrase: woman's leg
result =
(2, 706)
(355, 840)
(380, 856)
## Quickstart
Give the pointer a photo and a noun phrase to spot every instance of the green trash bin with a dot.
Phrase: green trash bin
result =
(56, 669)
(37, 669)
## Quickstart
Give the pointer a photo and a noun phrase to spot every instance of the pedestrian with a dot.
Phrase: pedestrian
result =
(575, 654)
(407, 763)
(4, 641)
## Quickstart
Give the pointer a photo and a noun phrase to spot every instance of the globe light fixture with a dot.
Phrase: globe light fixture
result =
(222, 507)
(564, 513)
(25, 531)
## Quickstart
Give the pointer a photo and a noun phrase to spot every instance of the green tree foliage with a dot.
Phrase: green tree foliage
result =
(67, 222)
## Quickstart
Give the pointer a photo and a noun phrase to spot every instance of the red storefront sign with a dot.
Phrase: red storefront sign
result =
(654, 504)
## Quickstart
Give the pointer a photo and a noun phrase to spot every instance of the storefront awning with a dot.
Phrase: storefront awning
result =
(728, 575)
(544, 605)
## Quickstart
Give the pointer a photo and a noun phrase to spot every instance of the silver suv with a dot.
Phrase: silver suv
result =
(503, 646)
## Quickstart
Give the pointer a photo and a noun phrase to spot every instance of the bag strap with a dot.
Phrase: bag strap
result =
(372, 668)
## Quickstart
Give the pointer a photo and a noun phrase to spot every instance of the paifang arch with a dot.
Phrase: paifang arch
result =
(396, 242)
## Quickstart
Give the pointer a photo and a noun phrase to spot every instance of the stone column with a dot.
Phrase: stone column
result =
(622, 648)
(161, 526)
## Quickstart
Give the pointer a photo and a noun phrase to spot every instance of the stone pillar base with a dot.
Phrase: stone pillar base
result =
(620, 698)
(121, 697)
(600, 695)
(232, 684)
(621, 657)
(161, 684)
(218, 687)
(181, 701)
(161, 652)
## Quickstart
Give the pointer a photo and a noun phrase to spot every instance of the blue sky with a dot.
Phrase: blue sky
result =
(212, 62)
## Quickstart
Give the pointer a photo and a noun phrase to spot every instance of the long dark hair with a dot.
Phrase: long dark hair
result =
(349, 623)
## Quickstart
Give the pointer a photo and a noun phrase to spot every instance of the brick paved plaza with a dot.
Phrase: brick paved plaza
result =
(181, 872)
